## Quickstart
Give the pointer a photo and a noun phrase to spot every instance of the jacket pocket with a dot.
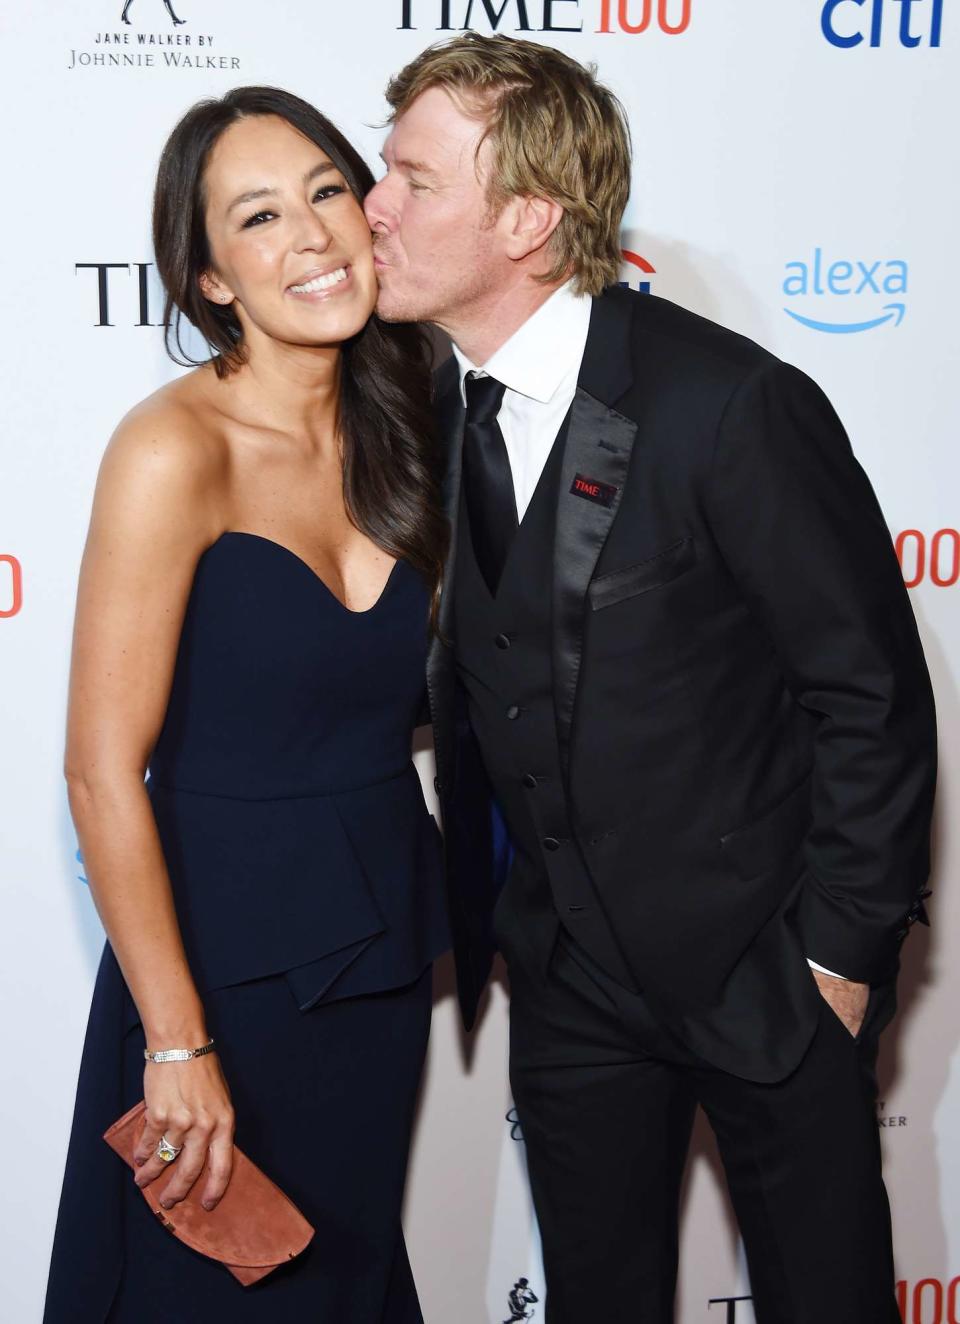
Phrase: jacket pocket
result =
(651, 573)
(759, 845)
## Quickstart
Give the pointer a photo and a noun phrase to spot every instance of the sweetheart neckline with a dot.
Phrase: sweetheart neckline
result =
(294, 556)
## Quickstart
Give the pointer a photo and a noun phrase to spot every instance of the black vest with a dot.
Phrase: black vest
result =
(503, 649)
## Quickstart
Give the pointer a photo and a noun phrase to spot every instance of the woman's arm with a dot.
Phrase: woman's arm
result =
(155, 511)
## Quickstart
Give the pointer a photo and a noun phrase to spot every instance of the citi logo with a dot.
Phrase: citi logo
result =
(874, 20)
(636, 272)
(843, 287)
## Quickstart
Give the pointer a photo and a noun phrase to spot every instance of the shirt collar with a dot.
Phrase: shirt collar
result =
(543, 352)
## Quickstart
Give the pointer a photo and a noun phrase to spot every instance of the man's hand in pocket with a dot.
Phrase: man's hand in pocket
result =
(847, 1000)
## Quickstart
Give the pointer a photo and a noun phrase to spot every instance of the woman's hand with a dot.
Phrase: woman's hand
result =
(189, 1103)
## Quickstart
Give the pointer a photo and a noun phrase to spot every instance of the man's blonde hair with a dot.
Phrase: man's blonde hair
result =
(556, 132)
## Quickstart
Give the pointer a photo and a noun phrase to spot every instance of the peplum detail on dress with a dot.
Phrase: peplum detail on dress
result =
(340, 892)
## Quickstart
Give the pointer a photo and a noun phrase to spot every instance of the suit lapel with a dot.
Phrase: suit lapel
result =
(595, 463)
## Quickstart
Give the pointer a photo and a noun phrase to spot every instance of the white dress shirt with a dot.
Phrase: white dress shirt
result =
(539, 366)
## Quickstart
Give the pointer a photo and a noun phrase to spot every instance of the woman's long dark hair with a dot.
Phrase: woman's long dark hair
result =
(390, 454)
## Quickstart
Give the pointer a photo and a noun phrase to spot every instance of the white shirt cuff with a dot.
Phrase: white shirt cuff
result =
(824, 971)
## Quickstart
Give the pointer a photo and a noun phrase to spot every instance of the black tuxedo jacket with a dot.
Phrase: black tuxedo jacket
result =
(744, 716)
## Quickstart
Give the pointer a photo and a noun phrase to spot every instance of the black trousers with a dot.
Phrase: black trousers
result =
(606, 1102)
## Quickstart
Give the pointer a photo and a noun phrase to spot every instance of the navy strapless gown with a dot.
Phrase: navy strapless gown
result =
(307, 877)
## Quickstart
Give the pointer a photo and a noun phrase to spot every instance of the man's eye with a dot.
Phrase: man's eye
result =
(257, 218)
(417, 188)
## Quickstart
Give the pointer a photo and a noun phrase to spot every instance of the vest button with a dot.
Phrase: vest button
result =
(551, 843)
(502, 641)
(513, 712)
(529, 781)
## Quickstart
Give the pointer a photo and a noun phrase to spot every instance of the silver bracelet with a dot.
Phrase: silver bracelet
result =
(177, 1054)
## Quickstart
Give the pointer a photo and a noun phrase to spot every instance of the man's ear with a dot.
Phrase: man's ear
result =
(213, 288)
(529, 223)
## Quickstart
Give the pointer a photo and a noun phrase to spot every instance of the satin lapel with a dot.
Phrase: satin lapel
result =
(599, 445)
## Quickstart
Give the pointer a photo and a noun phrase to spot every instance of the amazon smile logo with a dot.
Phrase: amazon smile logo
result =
(846, 297)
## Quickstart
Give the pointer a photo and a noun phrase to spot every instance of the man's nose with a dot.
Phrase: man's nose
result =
(377, 207)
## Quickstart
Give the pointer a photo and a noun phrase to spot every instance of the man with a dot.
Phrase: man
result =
(676, 652)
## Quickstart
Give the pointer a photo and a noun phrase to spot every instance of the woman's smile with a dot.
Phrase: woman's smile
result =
(323, 284)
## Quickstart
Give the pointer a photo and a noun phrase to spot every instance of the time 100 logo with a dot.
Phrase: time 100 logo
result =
(930, 1301)
(632, 17)
(936, 559)
(11, 585)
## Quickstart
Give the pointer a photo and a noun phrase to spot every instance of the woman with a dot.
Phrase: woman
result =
(252, 621)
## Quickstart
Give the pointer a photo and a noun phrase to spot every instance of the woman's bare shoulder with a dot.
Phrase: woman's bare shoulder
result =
(172, 436)
(167, 452)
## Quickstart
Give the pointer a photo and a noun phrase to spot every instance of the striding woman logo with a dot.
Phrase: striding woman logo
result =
(520, 1297)
(169, 7)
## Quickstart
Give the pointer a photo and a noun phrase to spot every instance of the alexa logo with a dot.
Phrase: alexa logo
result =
(844, 297)
(636, 272)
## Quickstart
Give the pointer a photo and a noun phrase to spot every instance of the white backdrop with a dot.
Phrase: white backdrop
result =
(795, 179)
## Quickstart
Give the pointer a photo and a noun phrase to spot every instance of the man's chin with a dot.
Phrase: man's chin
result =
(385, 311)
(389, 310)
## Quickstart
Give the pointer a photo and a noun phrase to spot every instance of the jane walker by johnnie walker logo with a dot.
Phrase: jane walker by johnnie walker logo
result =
(132, 47)
(177, 22)
(521, 1301)
(515, 1132)
(889, 1118)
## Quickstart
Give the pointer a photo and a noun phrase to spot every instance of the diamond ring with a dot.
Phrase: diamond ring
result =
(166, 1152)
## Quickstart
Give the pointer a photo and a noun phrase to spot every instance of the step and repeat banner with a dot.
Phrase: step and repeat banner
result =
(795, 178)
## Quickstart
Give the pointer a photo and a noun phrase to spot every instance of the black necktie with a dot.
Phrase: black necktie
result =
(487, 480)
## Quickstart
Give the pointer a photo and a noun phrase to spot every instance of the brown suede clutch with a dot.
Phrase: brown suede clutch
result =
(252, 1231)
